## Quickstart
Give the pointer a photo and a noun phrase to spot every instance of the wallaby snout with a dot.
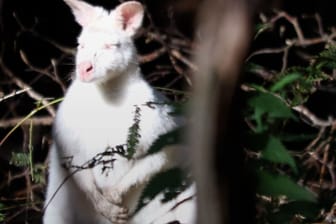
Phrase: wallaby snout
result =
(85, 71)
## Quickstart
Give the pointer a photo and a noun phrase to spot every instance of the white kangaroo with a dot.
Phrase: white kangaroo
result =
(99, 108)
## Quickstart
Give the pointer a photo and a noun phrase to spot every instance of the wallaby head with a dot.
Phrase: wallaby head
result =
(105, 46)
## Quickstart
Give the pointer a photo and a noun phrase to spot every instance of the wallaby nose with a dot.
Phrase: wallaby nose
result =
(85, 70)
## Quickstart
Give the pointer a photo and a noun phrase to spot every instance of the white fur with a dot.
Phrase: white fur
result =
(97, 112)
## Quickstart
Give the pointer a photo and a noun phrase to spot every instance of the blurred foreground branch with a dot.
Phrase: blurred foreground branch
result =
(224, 29)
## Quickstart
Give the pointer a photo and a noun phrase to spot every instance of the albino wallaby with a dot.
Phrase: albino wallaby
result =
(108, 91)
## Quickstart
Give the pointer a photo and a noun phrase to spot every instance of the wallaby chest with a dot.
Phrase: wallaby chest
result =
(86, 118)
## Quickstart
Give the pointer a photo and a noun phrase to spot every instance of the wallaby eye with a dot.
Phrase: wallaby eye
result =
(111, 45)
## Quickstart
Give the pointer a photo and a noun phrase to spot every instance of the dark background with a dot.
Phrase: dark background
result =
(32, 25)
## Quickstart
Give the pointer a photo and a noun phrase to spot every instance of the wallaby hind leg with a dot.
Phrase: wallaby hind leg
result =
(65, 203)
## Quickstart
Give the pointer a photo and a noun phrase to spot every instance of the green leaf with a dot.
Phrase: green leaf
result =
(133, 133)
(172, 137)
(178, 108)
(20, 159)
(286, 80)
(272, 105)
(2, 215)
(261, 27)
(39, 174)
(326, 59)
(170, 183)
(266, 104)
(275, 151)
(278, 185)
(258, 87)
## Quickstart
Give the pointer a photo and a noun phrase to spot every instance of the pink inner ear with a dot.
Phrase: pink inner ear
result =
(128, 14)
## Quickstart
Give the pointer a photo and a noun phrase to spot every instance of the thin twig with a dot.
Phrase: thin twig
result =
(32, 113)
(44, 71)
(30, 91)
(152, 56)
(186, 61)
(300, 41)
(179, 70)
(313, 119)
(13, 93)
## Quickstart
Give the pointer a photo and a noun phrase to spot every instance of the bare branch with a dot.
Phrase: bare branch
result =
(44, 120)
(45, 71)
(13, 94)
(312, 119)
(30, 91)
(152, 56)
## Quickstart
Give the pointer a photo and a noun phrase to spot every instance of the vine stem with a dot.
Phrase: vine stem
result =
(32, 113)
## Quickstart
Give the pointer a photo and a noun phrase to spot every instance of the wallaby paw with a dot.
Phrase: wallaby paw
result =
(113, 195)
(117, 215)
(122, 216)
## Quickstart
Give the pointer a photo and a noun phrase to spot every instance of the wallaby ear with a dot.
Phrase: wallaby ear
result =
(129, 16)
(84, 13)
